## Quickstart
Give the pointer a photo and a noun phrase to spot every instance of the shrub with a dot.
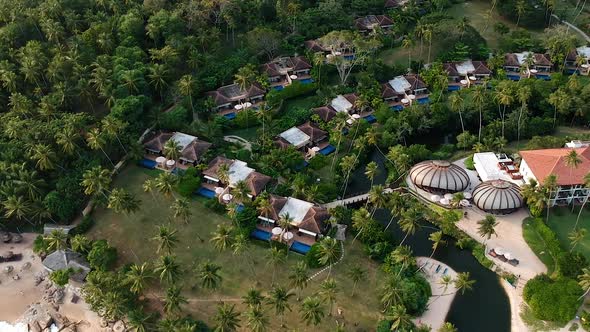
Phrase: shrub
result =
(214, 205)
(40, 245)
(175, 119)
(384, 325)
(469, 164)
(570, 264)
(553, 300)
(585, 319)
(296, 89)
(378, 251)
(102, 256)
(548, 236)
(479, 254)
(84, 225)
(312, 257)
(247, 219)
(61, 277)
(319, 161)
(189, 182)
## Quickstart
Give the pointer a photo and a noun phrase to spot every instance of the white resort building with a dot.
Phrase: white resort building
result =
(538, 164)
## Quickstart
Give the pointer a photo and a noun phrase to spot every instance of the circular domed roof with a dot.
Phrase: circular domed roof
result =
(497, 196)
(439, 176)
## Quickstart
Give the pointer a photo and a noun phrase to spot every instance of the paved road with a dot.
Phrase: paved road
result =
(237, 139)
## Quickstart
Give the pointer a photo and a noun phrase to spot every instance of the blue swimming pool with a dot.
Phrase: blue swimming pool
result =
(306, 81)
(278, 87)
(327, 150)
(513, 77)
(148, 163)
(349, 57)
(206, 192)
(424, 100)
(370, 118)
(545, 77)
(260, 235)
(230, 116)
(300, 248)
(454, 88)
(397, 107)
(239, 208)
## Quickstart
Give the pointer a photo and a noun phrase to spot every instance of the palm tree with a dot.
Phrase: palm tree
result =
(186, 87)
(112, 127)
(587, 185)
(486, 227)
(18, 207)
(576, 236)
(167, 239)
(57, 240)
(223, 173)
(148, 186)
(44, 156)
(437, 240)
(560, 100)
(407, 43)
(524, 94)
(173, 301)
(456, 103)
(96, 181)
(80, 244)
(318, 61)
(208, 273)
(361, 219)
(264, 207)
(165, 183)
(138, 276)
(120, 200)
(158, 75)
(328, 291)
(241, 191)
(356, 274)
(172, 149)
(279, 300)
(329, 252)
(463, 283)
(445, 281)
(549, 185)
(253, 298)
(410, 222)
(400, 319)
(299, 277)
(256, 319)
(276, 257)
(479, 100)
(95, 142)
(222, 238)
(371, 171)
(226, 318)
(584, 281)
(181, 210)
(168, 269)
(402, 255)
(138, 320)
(66, 139)
(284, 223)
(240, 246)
(504, 97)
(377, 197)
(347, 164)
(391, 292)
(312, 311)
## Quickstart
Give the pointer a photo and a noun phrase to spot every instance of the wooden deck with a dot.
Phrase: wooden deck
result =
(305, 239)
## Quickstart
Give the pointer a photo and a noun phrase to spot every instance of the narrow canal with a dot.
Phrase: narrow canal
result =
(486, 307)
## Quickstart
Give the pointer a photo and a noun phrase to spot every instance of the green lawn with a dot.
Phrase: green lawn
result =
(537, 245)
(305, 102)
(249, 134)
(562, 220)
(132, 234)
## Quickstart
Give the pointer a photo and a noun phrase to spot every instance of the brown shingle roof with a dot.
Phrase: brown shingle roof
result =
(481, 68)
(415, 81)
(276, 204)
(157, 142)
(313, 131)
(553, 161)
(368, 22)
(280, 66)
(195, 150)
(325, 113)
(257, 182)
(314, 220)
(542, 59)
(214, 165)
(314, 46)
(232, 92)
(387, 91)
(511, 60)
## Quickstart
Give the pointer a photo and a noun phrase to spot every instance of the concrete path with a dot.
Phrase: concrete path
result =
(580, 32)
(440, 302)
(239, 140)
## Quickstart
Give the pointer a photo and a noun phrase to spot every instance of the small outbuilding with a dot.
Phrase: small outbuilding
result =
(64, 259)
(439, 176)
(497, 197)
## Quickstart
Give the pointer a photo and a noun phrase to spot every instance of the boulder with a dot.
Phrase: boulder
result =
(45, 321)
(34, 327)
(119, 326)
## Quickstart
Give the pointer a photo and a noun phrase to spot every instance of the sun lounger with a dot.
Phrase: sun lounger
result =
(502, 258)
(493, 253)
(513, 262)
(438, 268)
(445, 271)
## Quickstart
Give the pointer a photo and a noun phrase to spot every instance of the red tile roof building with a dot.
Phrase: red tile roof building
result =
(538, 164)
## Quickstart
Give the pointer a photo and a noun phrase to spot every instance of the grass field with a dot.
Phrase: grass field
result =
(562, 220)
(537, 245)
(249, 134)
(132, 234)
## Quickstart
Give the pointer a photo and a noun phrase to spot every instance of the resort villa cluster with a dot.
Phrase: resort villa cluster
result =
(495, 185)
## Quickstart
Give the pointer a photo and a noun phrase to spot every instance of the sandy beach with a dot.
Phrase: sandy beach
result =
(439, 303)
(19, 287)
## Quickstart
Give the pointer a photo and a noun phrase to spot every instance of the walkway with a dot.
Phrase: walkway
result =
(440, 302)
(351, 200)
(239, 140)
(582, 33)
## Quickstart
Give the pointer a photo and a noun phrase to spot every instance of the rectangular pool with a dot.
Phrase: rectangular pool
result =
(300, 248)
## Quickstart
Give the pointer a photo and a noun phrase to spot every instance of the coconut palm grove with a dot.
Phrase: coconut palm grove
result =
(298, 165)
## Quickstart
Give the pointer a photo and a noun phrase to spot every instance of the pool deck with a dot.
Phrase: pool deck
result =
(296, 237)
(439, 303)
